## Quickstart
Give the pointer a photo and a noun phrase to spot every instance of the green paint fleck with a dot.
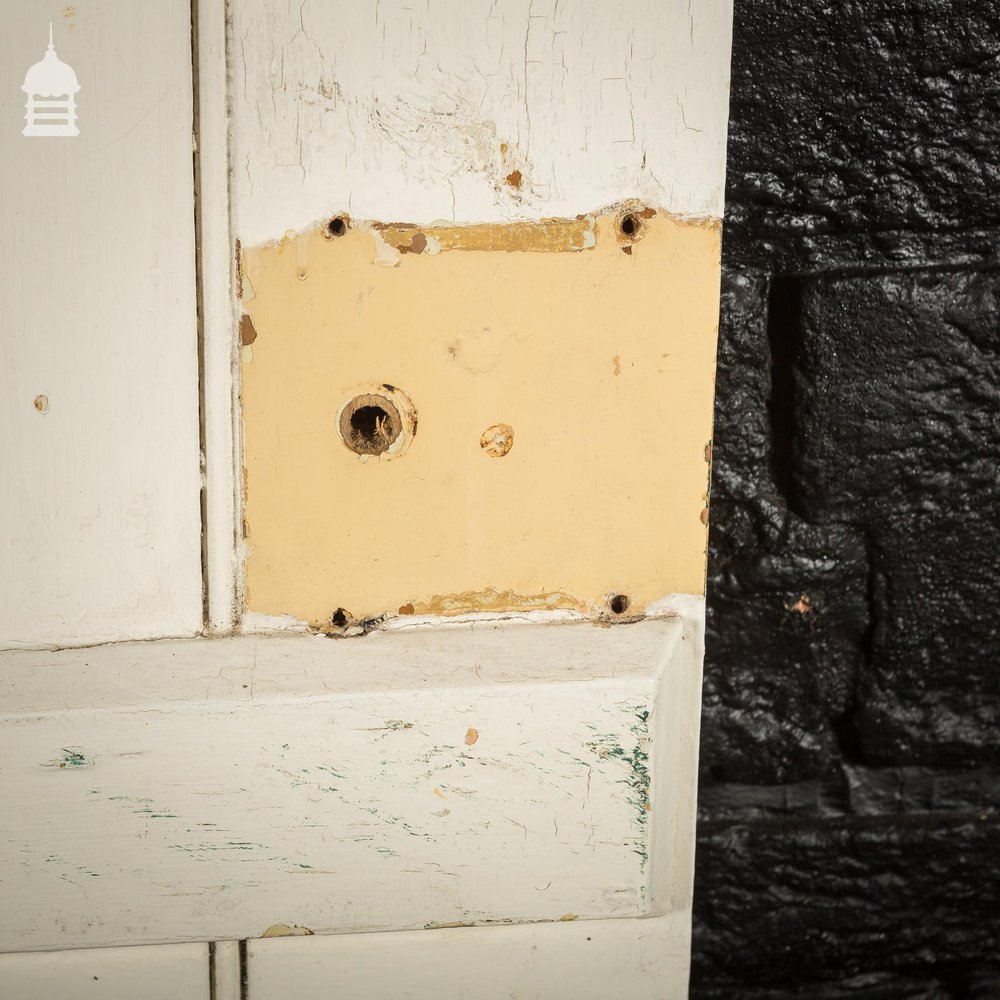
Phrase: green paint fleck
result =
(70, 758)
(638, 778)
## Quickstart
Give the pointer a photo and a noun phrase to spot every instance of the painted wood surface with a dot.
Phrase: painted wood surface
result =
(642, 959)
(478, 772)
(217, 270)
(598, 362)
(381, 156)
(99, 508)
(170, 972)
(469, 773)
(474, 111)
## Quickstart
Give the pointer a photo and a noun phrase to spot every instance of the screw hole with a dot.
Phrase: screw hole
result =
(340, 618)
(336, 226)
(629, 225)
(618, 603)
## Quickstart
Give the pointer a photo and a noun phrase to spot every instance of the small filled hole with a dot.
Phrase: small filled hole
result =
(618, 603)
(629, 225)
(340, 618)
(370, 424)
(336, 227)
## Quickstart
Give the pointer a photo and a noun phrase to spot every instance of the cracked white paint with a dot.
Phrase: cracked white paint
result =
(419, 112)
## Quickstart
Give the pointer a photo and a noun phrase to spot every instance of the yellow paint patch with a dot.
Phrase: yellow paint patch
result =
(286, 930)
(603, 490)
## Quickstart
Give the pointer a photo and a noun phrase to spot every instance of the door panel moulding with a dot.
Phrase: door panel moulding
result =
(217, 276)
(224, 786)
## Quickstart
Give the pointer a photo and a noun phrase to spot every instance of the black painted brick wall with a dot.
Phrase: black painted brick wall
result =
(849, 837)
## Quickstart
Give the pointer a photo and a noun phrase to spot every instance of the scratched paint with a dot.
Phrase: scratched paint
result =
(511, 328)
(291, 780)
(72, 758)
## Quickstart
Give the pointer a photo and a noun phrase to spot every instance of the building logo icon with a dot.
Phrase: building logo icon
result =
(51, 87)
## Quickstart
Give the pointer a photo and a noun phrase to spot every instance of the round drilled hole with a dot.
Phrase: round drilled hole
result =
(629, 225)
(618, 603)
(370, 424)
(337, 226)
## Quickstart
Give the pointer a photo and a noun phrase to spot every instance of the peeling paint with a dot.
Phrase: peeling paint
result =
(247, 332)
(286, 930)
(547, 236)
(802, 606)
(491, 599)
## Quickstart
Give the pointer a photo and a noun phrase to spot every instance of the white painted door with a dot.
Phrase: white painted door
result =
(482, 785)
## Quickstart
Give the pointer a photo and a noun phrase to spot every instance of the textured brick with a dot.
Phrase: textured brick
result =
(842, 907)
(931, 692)
(848, 810)
(741, 445)
(897, 396)
(787, 615)
(864, 115)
